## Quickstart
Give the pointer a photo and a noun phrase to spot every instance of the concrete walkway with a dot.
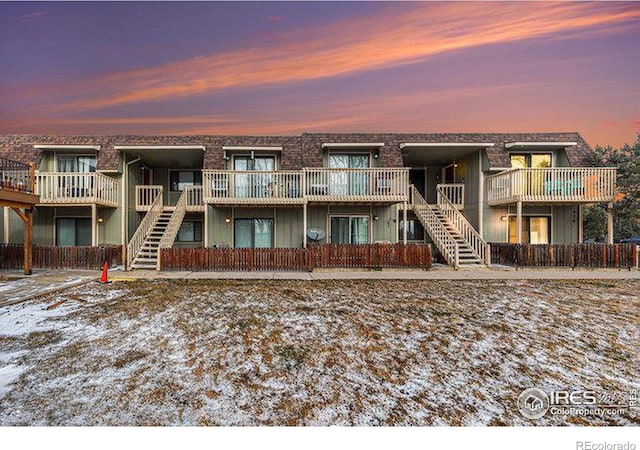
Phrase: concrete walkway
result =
(15, 287)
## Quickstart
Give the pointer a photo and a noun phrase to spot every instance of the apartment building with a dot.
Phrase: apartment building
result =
(458, 191)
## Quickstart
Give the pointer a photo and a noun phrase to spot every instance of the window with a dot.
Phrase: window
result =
(349, 229)
(76, 163)
(535, 230)
(253, 185)
(73, 232)
(190, 231)
(183, 178)
(415, 230)
(253, 233)
(526, 160)
(348, 182)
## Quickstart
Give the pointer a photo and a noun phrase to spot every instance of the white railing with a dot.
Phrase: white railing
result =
(169, 236)
(344, 185)
(136, 242)
(145, 196)
(454, 192)
(562, 185)
(193, 195)
(252, 187)
(441, 237)
(76, 188)
(458, 220)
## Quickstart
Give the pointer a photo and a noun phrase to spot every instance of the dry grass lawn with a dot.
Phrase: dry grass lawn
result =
(315, 353)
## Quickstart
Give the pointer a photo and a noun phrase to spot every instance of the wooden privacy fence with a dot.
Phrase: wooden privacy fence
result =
(297, 259)
(565, 255)
(50, 257)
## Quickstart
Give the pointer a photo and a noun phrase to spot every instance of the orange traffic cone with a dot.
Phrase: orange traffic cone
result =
(105, 274)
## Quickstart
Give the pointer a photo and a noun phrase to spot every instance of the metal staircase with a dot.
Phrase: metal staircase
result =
(452, 234)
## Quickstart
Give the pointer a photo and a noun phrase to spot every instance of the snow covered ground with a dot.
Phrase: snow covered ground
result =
(191, 352)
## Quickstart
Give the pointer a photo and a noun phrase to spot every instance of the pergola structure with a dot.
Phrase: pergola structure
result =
(17, 191)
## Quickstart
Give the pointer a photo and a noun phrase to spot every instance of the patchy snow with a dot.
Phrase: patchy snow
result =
(314, 353)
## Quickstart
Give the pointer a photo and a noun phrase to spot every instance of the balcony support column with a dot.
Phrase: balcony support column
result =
(304, 225)
(94, 225)
(404, 223)
(610, 223)
(519, 221)
(580, 224)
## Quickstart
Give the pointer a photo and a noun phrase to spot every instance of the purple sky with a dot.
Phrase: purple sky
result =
(284, 68)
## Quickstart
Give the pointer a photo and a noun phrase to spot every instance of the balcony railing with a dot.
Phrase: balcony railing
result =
(453, 192)
(15, 176)
(73, 188)
(357, 185)
(252, 187)
(193, 198)
(556, 185)
(146, 195)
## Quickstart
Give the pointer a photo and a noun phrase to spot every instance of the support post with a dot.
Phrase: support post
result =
(304, 225)
(404, 223)
(580, 224)
(206, 225)
(94, 225)
(519, 221)
(610, 223)
(28, 241)
(5, 227)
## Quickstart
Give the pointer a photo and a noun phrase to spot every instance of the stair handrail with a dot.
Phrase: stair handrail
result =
(468, 232)
(137, 241)
(441, 237)
(171, 232)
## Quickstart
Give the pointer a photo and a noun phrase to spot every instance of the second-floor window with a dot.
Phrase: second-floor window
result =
(183, 178)
(76, 163)
(527, 160)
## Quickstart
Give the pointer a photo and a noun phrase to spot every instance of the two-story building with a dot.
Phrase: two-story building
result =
(458, 191)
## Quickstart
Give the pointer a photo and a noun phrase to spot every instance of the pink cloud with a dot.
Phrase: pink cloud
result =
(34, 14)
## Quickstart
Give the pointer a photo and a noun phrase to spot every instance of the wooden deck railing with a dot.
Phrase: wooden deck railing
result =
(454, 192)
(145, 196)
(16, 176)
(365, 256)
(193, 198)
(357, 185)
(565, 255)
(72, 188)
(252, 187)
(558, 185)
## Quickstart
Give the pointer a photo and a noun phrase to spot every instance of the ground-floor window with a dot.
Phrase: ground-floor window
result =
(535, 229)
(253, 233)
(190, 231)
(415, 230)
(73, 232)
(349, 229)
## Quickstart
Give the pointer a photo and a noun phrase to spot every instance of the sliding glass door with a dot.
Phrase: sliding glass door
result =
(348, 182)
(349, 229)
(253, 185)
(253, 233)
(73, 232)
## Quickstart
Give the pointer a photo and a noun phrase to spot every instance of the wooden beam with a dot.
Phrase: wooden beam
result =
(28, 241)
(20, 213)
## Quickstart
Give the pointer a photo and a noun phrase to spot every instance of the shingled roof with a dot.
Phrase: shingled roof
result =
(298, 151)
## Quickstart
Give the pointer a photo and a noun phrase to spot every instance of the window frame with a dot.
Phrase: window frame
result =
(253, 231)
(75, 230)
(75, 156)
(351, 216)
(178, 171)
(528, 217)
(528, 155)
(199, 222)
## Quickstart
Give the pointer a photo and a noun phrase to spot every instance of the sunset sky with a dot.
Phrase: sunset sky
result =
(285, 68)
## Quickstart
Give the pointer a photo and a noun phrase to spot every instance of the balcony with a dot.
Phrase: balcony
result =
(229, 187)
(374, 185)
(145, 195)
(552, 185)
(16, 184)
(72, 188)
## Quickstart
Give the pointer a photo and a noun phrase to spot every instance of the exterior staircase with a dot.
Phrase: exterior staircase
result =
(452, 234)
(147, 256)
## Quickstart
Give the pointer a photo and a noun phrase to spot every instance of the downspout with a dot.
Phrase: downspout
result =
(124, 228)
